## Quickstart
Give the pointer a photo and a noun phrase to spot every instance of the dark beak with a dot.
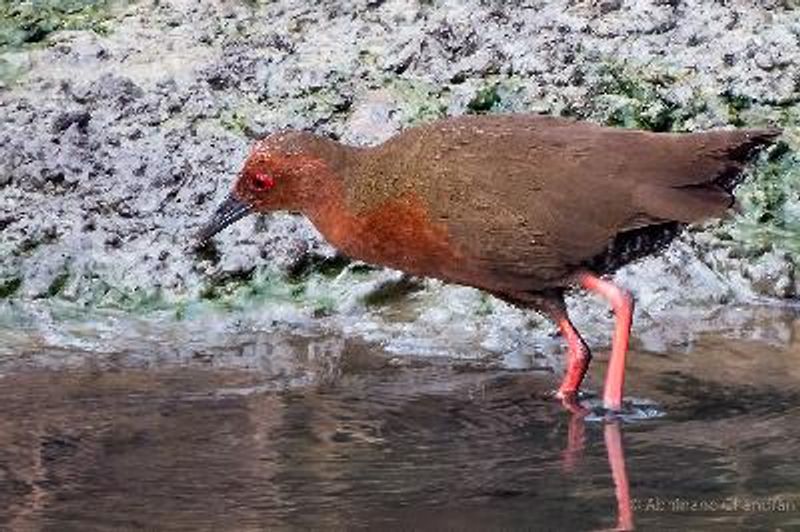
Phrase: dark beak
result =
(231, 210)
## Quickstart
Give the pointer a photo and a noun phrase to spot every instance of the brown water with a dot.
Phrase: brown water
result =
(318, 432)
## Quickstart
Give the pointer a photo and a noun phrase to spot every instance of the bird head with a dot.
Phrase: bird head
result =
(282, 173)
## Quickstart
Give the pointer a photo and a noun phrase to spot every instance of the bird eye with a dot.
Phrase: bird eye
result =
(263, 181)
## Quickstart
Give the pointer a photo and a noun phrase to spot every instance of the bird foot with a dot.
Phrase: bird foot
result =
(590, 406)
(571, 401)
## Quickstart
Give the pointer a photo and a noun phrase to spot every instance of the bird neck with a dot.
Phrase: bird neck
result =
(328, 163)
(328, 202)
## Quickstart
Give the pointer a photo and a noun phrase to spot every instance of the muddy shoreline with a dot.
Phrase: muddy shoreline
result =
(115, 145)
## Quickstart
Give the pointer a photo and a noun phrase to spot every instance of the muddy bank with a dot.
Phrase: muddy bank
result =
(115, 144)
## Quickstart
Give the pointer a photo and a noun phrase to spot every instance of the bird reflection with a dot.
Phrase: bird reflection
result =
(612, 435)
(616, 459)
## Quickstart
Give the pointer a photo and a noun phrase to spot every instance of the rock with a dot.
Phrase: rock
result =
(5, 175)
(772, 274)
(373, 121)
(607, 6)
(46, 276)
(66, 119)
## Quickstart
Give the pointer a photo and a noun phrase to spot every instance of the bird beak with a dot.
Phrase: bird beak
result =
(231, 210)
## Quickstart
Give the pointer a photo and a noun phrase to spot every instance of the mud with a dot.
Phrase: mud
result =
(115, 146)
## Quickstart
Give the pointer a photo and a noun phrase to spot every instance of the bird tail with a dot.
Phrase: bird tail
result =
(744, 144)
(725, 154)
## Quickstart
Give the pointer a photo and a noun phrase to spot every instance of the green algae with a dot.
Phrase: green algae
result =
(260, 283)
(32, 21)
(770, 205)
(312, 285)
(96, 292)
(58, 284)
(217, 288)
(484, 307)
(9, 72)
(639, 98)
(136, 301)
(421, 101)
(485, 99)
(736, 105)
(9, 286)
(254, 4)
(392, 291)
(317, 264)
(28, 23)
(323, 307)
(234, 121)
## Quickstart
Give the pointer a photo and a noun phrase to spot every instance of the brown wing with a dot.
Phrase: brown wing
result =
(531, 198)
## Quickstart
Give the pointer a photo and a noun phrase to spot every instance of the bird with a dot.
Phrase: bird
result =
(524, 207)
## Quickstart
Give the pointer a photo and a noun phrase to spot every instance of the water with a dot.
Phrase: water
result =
(293, 428)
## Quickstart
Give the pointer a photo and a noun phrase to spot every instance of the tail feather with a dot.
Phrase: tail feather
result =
(741, 148)
(708, 192)
(684, 204)
(749, 141)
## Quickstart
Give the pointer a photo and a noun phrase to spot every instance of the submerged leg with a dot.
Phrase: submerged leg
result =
(622, 304)
(578, 355)
(552, 304)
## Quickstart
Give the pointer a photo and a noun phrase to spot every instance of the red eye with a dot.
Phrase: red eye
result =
(263, 181)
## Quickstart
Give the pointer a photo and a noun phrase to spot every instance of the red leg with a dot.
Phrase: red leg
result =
(578, 357)
(622, 304)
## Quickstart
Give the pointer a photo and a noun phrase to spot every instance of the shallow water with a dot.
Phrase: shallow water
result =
(300, 428)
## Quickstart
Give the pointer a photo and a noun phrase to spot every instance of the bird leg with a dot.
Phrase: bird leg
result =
(578, 358)
(578, 353)
(622, 305)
